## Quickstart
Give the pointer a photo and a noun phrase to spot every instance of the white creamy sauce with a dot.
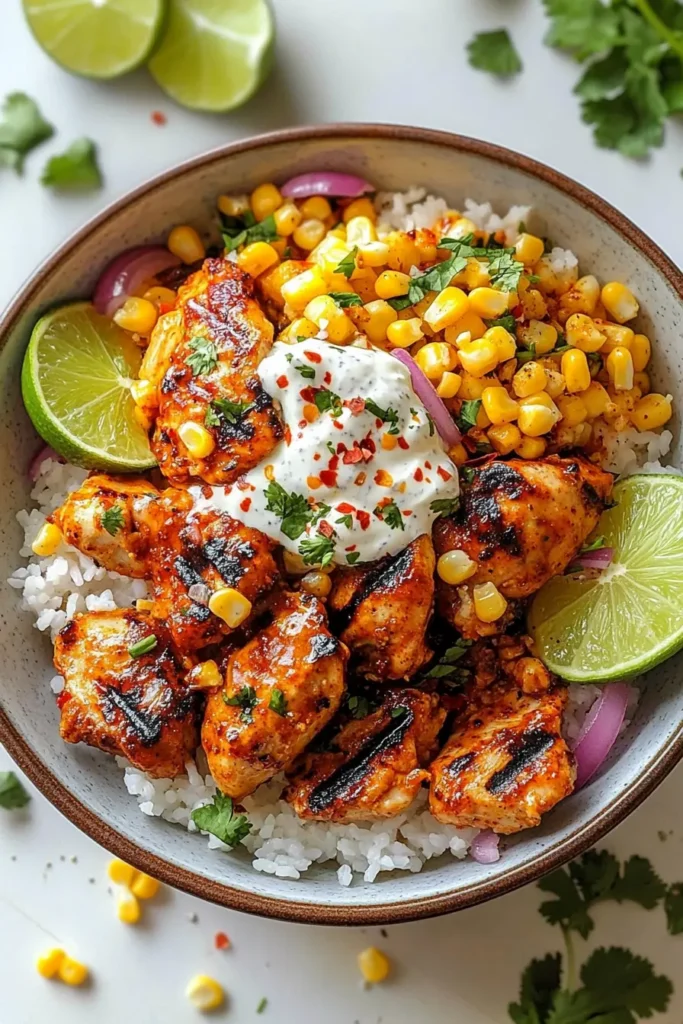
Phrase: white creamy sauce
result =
(361, 462)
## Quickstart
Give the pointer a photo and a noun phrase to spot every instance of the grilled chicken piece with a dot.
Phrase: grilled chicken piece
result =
(209, 548)
(208, 349)
(375, 767)
(138, 707)
(281, 689)
(509, 657)
(505, 764)
(522, 521)
(113, 519)
(382, 611)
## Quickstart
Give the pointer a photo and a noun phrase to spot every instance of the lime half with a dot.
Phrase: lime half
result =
(214, 53)
(75, 382)
(630, 617)
(96, 38)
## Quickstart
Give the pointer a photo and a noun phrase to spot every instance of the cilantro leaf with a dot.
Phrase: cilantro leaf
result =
(353, 557)
(469, 410)
(226, 409)
(391, 515)
(317, 550)
(21, 129)
(278, 702)
(75, 168)
(673, 907)
(639, 883)
(494, 52)
(348, 264)
(387, 415)
(360, 706)
(507, 321)
(306, 371)
(246, 699)
(505, 271)
(292, 509)
(327, 401)
(569, 908)
(445, 506)
(243, 231)
(623, 979)
(220, 820)
(435, 279)
(203, 357)
(345, 520)
(13, 796)
(540, 982)
(346, 299)
(603, 78)
(583, 27)
(112, 519)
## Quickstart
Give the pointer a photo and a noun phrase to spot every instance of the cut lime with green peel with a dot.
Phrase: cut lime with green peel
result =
(97, 38)
(214, 54)
(75, 382)
(628, 618)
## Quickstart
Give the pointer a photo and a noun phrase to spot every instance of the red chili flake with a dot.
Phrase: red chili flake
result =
(165, 307)
(345, 508)
(402, 443)
(369, 444)
(282, 381)
(288, 435)
(325, 529)
(383, 502)
(367, 455)
(328, 377)
(428, 465)
(222, 941)
(334, 462)
(517, 311)
(363, 519)
(341, 447)
(338, 424)
(245, 504)
(407, 511)
(308, 394)
(316, 457)
(356, 405)
(418, 474)
(328, 477)
(352, 456)
(314, 357)
(351, 547)
(443, 473)
(62, 698)
(158, 117)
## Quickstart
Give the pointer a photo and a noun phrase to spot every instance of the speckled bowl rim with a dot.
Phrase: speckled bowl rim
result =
(656, 769)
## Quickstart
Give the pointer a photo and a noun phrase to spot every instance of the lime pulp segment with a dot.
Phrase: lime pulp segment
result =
(96, 38)
(76, 388)
(629, 618)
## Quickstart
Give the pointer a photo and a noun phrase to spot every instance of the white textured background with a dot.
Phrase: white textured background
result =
(372, 60)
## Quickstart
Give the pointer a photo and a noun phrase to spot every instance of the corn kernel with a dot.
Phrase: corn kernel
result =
(143, 604)
(316, 208)
(489, 603)
(534, 306)
(47, 541)
(539, 335)
(530, 378)
(458, 454)
(504, 438)
(309, 234)
(596, 399)
(48, 963)
(475, 275)
(287, 217)
(144, 886)
(615, 334)
(582, 333)
(197, 439)
(470, 323)
(404, 333)
(504, 342)
(185, 243)
(555, 382)
(374, 965)
(325, 312)
(379, 315)
(537, 414)
(256, 258)
(455, 567)
(72, 972)
(403, 251)
(500, 408)
(265, 199)
(205, 677)
(360, 231)
(205, 993)
(233, 206)
(230, 606)
(299, 290)
(302, 328)
(529, 249)
(373, 254)
(478, 357)
(552, 280)
(447, 308)
(472, 387)
(119, 872)
(620, 368)
(463, 227)
(575, 370)
(359, 208)
(392, 283)
(531, 448)
(435, 358)
(364, 280)
(651, 412)
(619, 301)
(573, 408)
(488, 302)
(482, 421)
(582, 298)
(317, 583)
(641, 350)
(449, 385)
(128, 909)
(641, 380)
(137, 315)
(160, 296)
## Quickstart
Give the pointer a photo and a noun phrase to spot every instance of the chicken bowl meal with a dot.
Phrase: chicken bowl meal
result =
(353, 533)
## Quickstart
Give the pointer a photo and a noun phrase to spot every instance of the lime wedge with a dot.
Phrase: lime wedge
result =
(630, 617)
(214, 54)
(96, 38)
(75, 382)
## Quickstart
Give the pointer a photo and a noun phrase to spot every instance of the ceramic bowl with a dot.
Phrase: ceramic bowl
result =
(86, 785)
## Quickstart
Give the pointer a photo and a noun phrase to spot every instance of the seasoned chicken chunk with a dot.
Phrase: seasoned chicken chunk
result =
(375, 766)
(381, 611)
(281, 689)
(522, 521)
(207, 550)
(204, 356)
(134, 705)
(113, 519)
(506, 763)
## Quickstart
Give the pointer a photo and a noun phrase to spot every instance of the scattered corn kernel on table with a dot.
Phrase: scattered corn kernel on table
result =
(62, 909)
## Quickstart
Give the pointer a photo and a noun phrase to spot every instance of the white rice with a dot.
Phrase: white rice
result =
(53, 589)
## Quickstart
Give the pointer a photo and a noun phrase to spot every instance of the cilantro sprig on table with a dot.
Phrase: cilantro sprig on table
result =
(494, 52)
(13, 796)
(74, 169)
(22, 128)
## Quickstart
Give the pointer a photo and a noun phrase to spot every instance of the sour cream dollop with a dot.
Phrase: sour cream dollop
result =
(361, 465)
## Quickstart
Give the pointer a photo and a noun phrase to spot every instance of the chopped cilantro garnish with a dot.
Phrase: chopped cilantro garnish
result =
(524, 355)
(243, 231)
(445, 506)
(345, 520)
(400, 302)
(435, 279)
(278, 702)
(292, 509)
(468, 474)
(360, 706)
(144, 646)
(225, 409)
(306, 371)
(112, 519)
(76, 168)
(204, 355)
(21, 129)
(594, 545)
(387, 415)
(220, 820)
(353, 557)
(346, 299)
(13, 796)
(445, 666)
(391, 514)
(504, 270)
(507, 321)
(469, 411)
(317, 550)
(246, 699)
(330, 447)
(348, 264)
(326, 401)
(263, 1003)
(494, 52)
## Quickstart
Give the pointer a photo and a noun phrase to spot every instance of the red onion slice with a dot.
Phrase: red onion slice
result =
(599, 731)
(124, 275)
(598, 559)
(484, 848)
(325, 183)
(424, 389)
(36, 463)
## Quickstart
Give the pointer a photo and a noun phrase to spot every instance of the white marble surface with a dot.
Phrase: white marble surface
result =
(382, 60)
